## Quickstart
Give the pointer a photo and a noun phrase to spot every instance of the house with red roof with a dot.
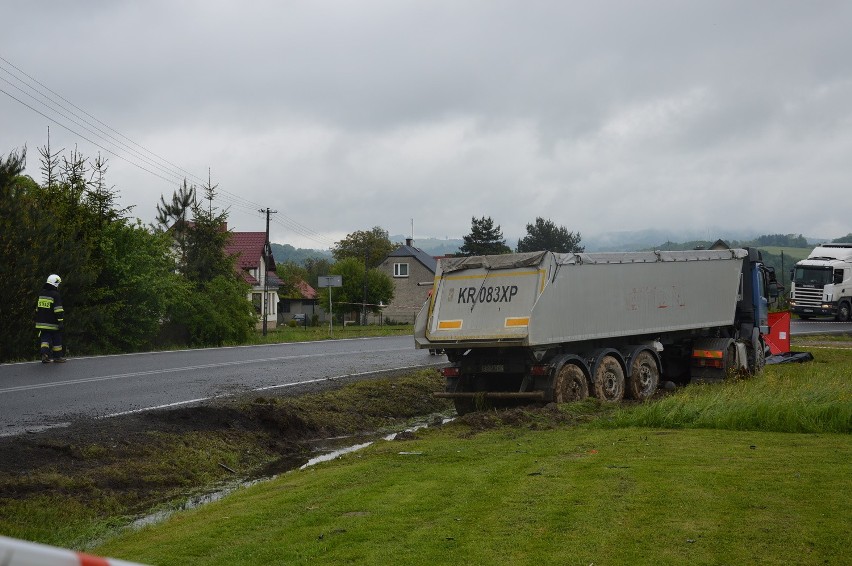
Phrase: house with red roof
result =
(253, 258)
(299, 304)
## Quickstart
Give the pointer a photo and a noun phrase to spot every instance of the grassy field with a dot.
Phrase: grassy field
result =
(791, 255)
(754, 471)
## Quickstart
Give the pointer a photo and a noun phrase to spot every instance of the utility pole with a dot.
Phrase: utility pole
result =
(364, 305)
(267, 255)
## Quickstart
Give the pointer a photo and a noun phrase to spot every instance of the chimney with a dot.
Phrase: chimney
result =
(409, 242)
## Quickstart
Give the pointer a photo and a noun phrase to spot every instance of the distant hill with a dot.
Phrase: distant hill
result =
(285, 252)
(610, 242)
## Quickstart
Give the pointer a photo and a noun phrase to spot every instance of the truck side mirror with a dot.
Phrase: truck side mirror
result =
(773, 290)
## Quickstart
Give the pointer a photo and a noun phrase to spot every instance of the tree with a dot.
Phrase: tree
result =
(174, 217)
(117, 277)
(484, 239)
(545, 235)
(21, 231)
(206, 239)
(782, 240)
(350, 297)
(847, 239)
(373, 245)
(316, 267)
(290, 273)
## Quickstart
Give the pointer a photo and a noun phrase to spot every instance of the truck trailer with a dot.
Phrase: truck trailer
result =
(555, 327)
(821, 285)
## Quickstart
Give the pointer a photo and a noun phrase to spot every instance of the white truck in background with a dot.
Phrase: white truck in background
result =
(821, 285)
(547, 327)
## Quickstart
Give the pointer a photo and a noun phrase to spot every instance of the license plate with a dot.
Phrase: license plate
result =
(809, 310)
(492, 368)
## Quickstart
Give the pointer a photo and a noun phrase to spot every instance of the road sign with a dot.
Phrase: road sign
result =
(330, 281)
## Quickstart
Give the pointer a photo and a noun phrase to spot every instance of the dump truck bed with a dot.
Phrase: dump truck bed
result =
(544, 298)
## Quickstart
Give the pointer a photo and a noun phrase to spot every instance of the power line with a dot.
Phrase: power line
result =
(172, 171)
(137, 155)
(21, 71)
(60, 124)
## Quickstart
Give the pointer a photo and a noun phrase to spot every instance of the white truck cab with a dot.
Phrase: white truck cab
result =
(822, 283)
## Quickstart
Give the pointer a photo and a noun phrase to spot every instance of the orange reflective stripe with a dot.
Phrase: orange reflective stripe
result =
(708, 354)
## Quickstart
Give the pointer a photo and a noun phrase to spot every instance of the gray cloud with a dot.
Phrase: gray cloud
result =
(602, 116)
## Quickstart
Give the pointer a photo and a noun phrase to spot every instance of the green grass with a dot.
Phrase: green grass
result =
(558, 496)
(338, 332)
(79, 484)
(754, 471)
(813, 397)
(791, 255)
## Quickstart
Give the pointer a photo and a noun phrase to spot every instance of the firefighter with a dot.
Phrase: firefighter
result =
(49, 321)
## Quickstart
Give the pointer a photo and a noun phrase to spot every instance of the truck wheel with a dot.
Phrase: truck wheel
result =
(464, 406)
(843, 312)
(570, 385)
(609, 380)
(644, 376)
(756, 357)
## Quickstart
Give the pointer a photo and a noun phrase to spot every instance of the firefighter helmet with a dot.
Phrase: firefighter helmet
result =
(54, 280)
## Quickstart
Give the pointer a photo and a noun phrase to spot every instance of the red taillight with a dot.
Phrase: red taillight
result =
(450, 371)
(539, 370)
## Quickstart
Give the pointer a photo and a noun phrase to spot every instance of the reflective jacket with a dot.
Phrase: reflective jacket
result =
(49, 312)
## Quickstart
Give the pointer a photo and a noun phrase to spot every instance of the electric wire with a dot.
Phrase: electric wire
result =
(21, 71)
(60, 124)
(137, 155)
(227, 197)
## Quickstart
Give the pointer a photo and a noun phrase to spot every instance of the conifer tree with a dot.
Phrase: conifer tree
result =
(484, 239)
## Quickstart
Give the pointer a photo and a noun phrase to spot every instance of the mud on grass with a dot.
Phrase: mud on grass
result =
(67, 486)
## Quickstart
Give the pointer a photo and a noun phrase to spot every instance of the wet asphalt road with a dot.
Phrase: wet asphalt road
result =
(34, 396)
(819, 326)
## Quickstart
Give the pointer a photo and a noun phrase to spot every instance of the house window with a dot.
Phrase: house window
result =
(256, 299)
(400, 270)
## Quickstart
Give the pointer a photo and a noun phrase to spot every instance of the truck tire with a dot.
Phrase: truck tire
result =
(570, 384)
(756, 357)
(842, 312)
(464, 406)
(608, 381)
(644, 376)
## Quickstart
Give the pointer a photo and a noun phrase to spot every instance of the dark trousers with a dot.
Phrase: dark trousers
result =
(51, 343)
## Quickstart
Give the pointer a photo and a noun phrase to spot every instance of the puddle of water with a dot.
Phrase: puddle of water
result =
(334, 454)
(329, 446)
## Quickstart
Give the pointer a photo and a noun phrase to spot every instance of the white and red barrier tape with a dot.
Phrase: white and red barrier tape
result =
(15, 552)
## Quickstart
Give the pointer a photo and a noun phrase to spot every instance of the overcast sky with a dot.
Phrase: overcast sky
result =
(602, 116)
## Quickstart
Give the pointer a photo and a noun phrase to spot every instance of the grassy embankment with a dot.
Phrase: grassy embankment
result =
(756, 471)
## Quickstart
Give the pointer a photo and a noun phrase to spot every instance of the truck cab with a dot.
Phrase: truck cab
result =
(822, 283)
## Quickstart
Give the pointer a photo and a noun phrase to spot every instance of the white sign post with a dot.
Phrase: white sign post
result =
(329, 281)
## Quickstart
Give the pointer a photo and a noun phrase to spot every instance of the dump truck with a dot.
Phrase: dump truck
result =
(555, 327)
(821, 285)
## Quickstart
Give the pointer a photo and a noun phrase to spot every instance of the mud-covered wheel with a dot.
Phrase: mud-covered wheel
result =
(609, 380)
(570, 385)
(644, 376)
(464, 406)
(756, 357)
(843, 313)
